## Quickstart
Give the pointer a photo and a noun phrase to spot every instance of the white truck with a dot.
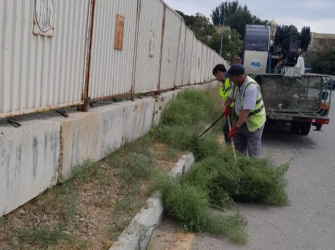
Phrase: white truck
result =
(273, 55)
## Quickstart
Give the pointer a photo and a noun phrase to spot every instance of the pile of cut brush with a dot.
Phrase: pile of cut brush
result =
(216, 180)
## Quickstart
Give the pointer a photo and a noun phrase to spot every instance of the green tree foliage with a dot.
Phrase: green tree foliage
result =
(201, 26)
(321, 60)
(205, 32)
(231, 44)
(234, 15)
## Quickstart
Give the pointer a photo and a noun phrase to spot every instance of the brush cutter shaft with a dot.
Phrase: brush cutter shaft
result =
(211, 126)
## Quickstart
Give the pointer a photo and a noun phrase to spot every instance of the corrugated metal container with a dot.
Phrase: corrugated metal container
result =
(170, 49)
(41, 72)
(64, 56)
(113, 44)
(181, 55)
(193, 60)
(213, 64)
(208, 65)
(198, 62)
(148, 46)
(203, 63)
(189, 37)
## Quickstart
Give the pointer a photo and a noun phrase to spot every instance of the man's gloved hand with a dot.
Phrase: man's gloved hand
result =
(232, 132)
(227, 111)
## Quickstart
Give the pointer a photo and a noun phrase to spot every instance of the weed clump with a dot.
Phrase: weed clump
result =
(216, 180)
(190, 205)
(187, 203)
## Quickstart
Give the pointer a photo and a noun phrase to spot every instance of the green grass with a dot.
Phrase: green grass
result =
(136, 160)
(42, 237)
(216, 180)
(88, 171)
(190, 205)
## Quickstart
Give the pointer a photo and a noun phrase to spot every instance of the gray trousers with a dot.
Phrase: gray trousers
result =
(248, 143)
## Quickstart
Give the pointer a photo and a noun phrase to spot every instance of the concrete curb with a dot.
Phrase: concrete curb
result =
(140, 229)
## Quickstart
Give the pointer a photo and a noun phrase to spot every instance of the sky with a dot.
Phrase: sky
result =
(319, 15)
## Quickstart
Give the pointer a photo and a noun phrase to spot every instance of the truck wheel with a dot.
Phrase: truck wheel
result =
(305, 128)
(300, 128)
(295, 127)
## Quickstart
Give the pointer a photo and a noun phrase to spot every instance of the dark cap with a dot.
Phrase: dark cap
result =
(235, 70)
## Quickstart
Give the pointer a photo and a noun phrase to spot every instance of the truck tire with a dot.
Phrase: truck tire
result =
(305, 128)
(300, 128)
(295, 128)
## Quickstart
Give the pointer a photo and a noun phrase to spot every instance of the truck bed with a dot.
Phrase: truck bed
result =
(286, 98)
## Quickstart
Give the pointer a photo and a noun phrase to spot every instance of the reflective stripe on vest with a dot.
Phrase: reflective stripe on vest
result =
(257, 116)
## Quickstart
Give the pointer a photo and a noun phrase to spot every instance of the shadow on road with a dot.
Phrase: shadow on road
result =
(278, 134)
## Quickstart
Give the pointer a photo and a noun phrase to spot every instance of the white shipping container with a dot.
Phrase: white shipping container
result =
(40, 72)
(170, 49)
(148, 46)
(203, 63)
(181, 56)
(189, 37)
(113, 48)
(193, 60)
(198, 62)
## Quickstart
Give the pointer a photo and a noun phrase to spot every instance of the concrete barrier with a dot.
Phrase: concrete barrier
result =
(28, 161)
(46, 148)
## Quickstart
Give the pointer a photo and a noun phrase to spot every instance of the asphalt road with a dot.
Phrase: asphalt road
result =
(308, 222)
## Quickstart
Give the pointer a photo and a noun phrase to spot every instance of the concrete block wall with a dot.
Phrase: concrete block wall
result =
(28, 161)
(46, 149)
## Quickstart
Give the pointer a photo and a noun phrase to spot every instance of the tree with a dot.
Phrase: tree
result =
(231, 45)
(234, 15)
(201, 26)
(205, 32)
(321, 60)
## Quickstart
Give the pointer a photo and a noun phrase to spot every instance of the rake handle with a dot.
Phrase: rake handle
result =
(231, 139)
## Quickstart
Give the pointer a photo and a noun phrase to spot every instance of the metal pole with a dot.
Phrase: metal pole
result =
(222, 34)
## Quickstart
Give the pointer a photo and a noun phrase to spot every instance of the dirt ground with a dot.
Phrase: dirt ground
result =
(169, 236)
(80, 214)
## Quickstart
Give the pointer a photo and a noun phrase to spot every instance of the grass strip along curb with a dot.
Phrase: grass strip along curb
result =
(139, 231)
(90, 210)
(216, 180)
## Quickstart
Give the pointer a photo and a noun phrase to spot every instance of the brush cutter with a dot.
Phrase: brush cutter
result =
(211, 126)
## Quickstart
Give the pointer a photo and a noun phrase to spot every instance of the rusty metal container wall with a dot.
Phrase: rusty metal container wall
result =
(110, 67)
(37, 72)
(170, 49)
(63, 69)
(189, 36)
(198, 62)
(193, 60)
(213, 64)
(19, 68)
(149, 46)
(181, 55)
(208, 65)
(204, 63)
